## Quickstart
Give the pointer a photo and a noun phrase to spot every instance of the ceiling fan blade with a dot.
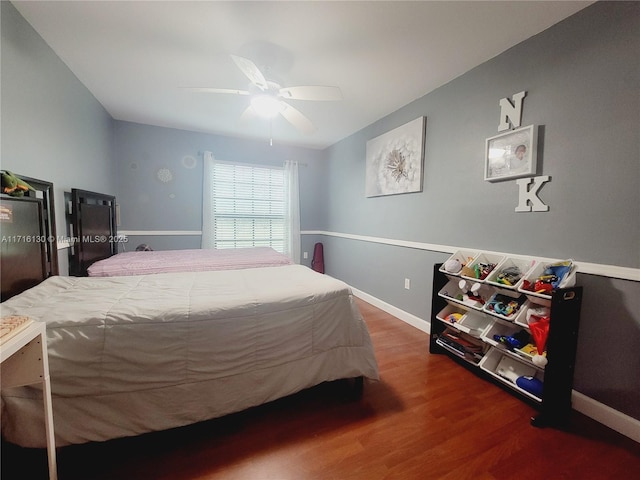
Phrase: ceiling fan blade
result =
(297, 119)
(248, 115)
(311, 92)
(252, 72)
(217, 90)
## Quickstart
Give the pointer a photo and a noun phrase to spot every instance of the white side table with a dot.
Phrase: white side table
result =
(25, 362)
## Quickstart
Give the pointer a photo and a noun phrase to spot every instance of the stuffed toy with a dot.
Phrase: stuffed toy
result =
(12, 185)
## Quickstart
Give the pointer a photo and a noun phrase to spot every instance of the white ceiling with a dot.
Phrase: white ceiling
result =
(135, 56)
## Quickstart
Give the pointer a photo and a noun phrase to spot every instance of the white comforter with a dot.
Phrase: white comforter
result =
(129, 355)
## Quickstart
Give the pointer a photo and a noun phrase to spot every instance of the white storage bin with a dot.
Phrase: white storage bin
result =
(569, 280)
(474, 324)
(522, 264)
(451, 291)
(471, 323)
(482, 259)
(498, 328)
(508, 369)
(528, 355)
(462, 345)
(516, 315)
(463, 257)
(533, 308)
(505, 330)
(443, 315)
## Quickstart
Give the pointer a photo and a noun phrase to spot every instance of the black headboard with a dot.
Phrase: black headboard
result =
(44, 191)
(23, 254)
(93, 227)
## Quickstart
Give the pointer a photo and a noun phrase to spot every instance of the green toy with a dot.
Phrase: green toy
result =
(12, 185)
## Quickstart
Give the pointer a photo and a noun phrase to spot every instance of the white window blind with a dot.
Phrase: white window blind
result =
(247, 206)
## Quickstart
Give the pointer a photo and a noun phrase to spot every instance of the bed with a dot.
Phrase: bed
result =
(191, 260)
(24, 241)
(95, 250)
(135, 354)
(92, 225)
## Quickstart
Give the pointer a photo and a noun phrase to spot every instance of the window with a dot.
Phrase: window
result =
(246, 206)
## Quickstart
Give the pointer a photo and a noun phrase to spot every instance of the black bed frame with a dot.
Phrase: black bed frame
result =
(44, 190)
(22, 250)
(93, 228)
(29, 247)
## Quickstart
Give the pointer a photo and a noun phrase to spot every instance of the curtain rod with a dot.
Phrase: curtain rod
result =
(301, 164)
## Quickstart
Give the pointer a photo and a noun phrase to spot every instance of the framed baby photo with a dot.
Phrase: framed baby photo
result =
(511, 154)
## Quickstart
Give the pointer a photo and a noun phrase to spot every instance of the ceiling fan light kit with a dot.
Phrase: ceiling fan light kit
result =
(265, 105)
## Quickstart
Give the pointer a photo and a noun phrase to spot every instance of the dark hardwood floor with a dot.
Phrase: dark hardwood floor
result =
(427, 418)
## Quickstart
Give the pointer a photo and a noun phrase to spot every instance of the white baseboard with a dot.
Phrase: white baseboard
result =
(406, 317)
(615, 420)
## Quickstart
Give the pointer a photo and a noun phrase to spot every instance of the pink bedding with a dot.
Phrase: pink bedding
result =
(195, 260)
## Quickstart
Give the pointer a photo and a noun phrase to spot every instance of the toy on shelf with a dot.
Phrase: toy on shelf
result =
(512, 369)
(529, 350)
(482, 270)
(538, 320)
(453, 266)
(530, 384)
(467, 271)
(504, 305)
(470, 293)
(536, 312)
(552, 275)
(460, 345)
(509, 276)
(458, 261)
(515, 341)
(482, 266)
(457, 264)
(453, 317)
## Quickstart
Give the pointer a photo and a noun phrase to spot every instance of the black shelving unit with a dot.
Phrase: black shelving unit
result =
(555, 405)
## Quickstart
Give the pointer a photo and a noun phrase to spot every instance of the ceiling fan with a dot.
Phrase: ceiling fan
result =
(267, 98)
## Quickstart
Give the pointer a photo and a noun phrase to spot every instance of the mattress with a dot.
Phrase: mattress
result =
(129, 355)
(192, 260)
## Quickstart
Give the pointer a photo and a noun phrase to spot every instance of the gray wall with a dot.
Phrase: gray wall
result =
(582, 79)
(52, 127)
(148, 204)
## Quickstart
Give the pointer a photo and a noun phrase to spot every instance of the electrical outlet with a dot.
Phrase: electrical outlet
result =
(305, 255)
(407, 283)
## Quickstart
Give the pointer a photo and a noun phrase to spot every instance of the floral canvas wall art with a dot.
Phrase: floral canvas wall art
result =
(395, 160)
